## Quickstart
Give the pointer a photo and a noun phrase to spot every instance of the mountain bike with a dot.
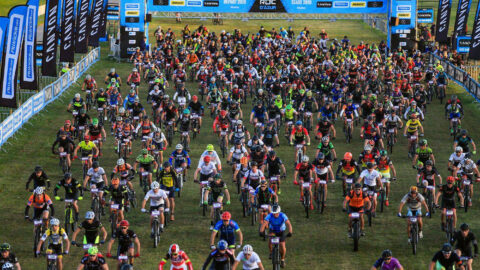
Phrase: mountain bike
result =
(320, 198)
(70, 220)
(276, 258)
(156, 227)
(355, 230)
(306, 198)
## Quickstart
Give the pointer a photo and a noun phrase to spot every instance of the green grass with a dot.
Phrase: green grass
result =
(6, 5)
(318, 243)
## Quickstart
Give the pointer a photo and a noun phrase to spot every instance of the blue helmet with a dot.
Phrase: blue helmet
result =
(299, 123)
(222, 245)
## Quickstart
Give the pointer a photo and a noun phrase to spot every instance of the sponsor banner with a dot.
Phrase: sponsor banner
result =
(7, 127)
(57, 88)
(425, 15)
(463, 44)
(475, 44)
(288, 6)
(95, 21)
(67, 42)
(81, 21)
(48, 93)
(462, 16)
(17, 119)
(443, 20)
(3, 34)
(50, 37)
(28, 72)
(16, 30)
(103, 24)
(65, 81)
(38, 101)
(27, 109)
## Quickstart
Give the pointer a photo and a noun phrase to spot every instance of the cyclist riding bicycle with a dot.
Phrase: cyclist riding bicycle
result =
(278, 224)
(218, 189)
(384, 166)
(39, 178)
(87, 149)
(92, 226)
(228, 228)
(179, 258)
(145, 162)
(445, 259)
(42, 204)
(55, 236)
(72, 189)
(169, 182)
(448, 192)
(356, 201)
(8, 258)
(414, 202)
(127, 240)
(93, 260)
(249, 259)
(221, 257)
(118, 195)
(158, 202)
(387, 262)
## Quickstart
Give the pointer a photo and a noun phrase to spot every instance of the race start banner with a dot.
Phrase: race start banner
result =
(28, 72)
(268, 6)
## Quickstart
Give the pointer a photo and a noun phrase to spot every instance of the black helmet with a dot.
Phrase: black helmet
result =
(253, 163)
(446, 248)
(321, 156)
(145, 117)
(464, 227)
(272, 153)
(429, 163)
(67, 175)
(238, 142)
(358, 185)
(370, 165)
(463, 132)
(386, 253)
(258, 149)
(166, 164)
(255, 138)
(95, 164)
(38, 168)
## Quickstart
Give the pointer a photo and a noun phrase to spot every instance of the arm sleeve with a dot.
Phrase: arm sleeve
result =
(207, 262)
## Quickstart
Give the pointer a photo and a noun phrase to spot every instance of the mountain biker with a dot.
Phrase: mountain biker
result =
(158, 202)
(68, 129)
(384, 165)
(55, 244)
(113, 75)
(76, 104)
(427, 174)
(97, 177)
(273, 166)
(371, 178)
(249, 259)
(89, 83)
(180, 158)
(126, 240)
(65, 145)
(463, 140)
(455, 113)
(356, 200)
(82, 120)
(412, 127)
(41, 203)
(304, 174)
(218, 189)
(7, 257)
(145, 160)
(387, 262)
(327, 149)
(179, 258)
(197, 111)
(447, 191)
(72, 189)
(168, 180)
(278, 224)
(97, 133)
(92, 229)
(455, 158)
(214, 158)
(147, 128)
(93, 260)
(348, 166)
(228, 228)
(118, 195)
(298, 136)
(465, 239)
(159, 143)
(414, 202)
(125, 172)
(445, 259)
(221, 257)
(423, 153)
(39, 178)
(87, 149)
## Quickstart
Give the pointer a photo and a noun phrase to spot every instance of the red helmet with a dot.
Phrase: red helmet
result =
(226, 215)
(194, 98)
(68, 122)
(124, 223)
(223, 113)
(450, 179)
(87, 138)
(206, 159)
(347, 156)
(174, 249)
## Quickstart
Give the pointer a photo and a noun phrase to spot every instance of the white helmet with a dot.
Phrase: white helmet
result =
(276, 209)
(179, 147)
(54, 222)
(458, 149)
(112, 70)
(239, 122)
(305, 159)
(89, 215)
(174, 248)
(260, 90)
(121, 110)
(247, 249)
(120, 162)
(155, 185)
(134, 70)
(38, 191)
(77, 95)
(88, 77)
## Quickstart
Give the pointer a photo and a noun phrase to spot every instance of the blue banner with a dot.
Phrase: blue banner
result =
(3, 34)
(16, 29)
(7, 128)
(425, 15)
(463, 44)
(38, 101)
(27, 110)
(289, 6)
(405, 12)
(28, 77)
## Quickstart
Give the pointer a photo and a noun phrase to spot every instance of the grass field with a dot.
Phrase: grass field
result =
(318, 243)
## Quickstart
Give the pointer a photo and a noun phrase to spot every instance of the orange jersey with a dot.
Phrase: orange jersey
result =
(39, 203)
(357, 200)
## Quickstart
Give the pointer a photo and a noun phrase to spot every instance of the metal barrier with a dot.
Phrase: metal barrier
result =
(380, 23)
(460, 76)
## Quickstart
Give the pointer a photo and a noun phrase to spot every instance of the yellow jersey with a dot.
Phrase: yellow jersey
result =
(87, 146)
(413, 125)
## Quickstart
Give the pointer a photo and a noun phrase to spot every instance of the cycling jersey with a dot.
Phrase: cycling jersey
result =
(118, 194)
(370, 178)
(91, 230)
(356, 200)
(179, 262)
(97, 264)
(347, 167)
(178, 158)
(86, 146)
(55, 237)
(227, 232)
(253, 178)
(156, 198)
(251, 263)
(413, 203)
(276, 224)
(149, 159)
(393, 264)
(168, 179)
(456, 159)
(264, 196)
(413, 125)
(289, 114)
(299, 134)
(238, 153)
(464, 143)
(96, 176)
(424, 154)
(39, 203)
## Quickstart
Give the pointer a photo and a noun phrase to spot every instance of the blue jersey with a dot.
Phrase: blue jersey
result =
(129, 100)
(113, 98)
(227, 233)
(258, 113)
(179, 158)
(276, 224)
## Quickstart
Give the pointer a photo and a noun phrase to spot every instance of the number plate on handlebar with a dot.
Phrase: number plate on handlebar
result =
(454, 119)
(37, 222)
(144, 173)
(114, 206)
(81, 127)
(155, 213)
(466, 182)
(299, 146)
(322, 182)
(264, 206)
(204, 183)
(273, 178)
(431, 187)
(68, 200)
(52, 256)
(122, 257)
(413, 137)
(449, 212)
(306, 185)
(94, 190)
(185, 133)
(391, 130)
(84, 158)
(275, 240)
(63, 154)
(179, 169)
(87, 246)
(349, 120)
(349, 181)
(413, 219)
(217, 205)
(355, 215)
(223, 133)
(100, 109)
(136, 117)
(308, 114)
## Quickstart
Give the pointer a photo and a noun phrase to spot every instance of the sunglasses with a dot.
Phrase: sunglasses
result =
(387, 259)
(123, 228)
(174, 254)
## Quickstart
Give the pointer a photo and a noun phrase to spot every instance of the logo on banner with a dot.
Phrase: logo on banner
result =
(443, 20)
(358, 4)
(14, 41)
(27, 110)
(67, 30)
(404, 8)
(81, 31)
(462, 16)
(177, 3)
(268, 6)
(404, 15)
(324, 4)
(194, 3)
(28, 58)
(211, 3)
(340, 4)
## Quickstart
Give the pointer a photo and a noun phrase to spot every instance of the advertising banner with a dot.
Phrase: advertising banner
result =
(443, 20)
(475, 44)
(67, 50)
(17, 119)
(16, 30)
(50, 37)
(7, 127)
(38, 101)
(81, 34)
(95, 21)
(425, 15)
(28, 72)
(463, 44)
(3, 34)
(27, 109)
(462, 17)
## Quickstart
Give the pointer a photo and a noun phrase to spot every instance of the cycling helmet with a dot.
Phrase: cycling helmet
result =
(321, 156)
(179, 147)
(186, 111)
(137, 99)
(450, 179)
(383, 153)
(115, 181)
(210, 147)
(173, 249)
(447, 248)
(95, 121)
(124, 223)
(120, 162)
(217, 176)
(166, 164)
(386, 253)
(276, 209)
(134, 70)
(54, 222)
(239, 122)
(38, 191)
(86, 138)
(347, 156)
(145, 117)
(101, 90)
(244, 161)
(222, 245)
(7, 266)
(206, 159)
(370, 165)
(367, 147)
(121, 110)
(272, 153)
(223, 113)
(247, 249)
(325, 139)
(324, 119)
(464, 227)
(38, 168)
(429, 163)
(422, 142)
(458, 149)
(5, 247)
(225, 94)
(166, 97)
(255, 138)
(357, 185)
(194, 98)
(289, 107)
(68, 122)
(77, 95)
(263, 183)
(258, 149)
(155, 185)
(67, 176)
(238, 142)
(128, 121)
(88, 77)
(413, 189)
(298, 123)
(226, 215)
(93, 251)
(95, 164)
(89, 215)
(253, 163)
(463, 132)
(144, 151)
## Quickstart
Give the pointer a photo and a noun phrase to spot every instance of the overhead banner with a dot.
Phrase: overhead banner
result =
(95, 21)
(28, 72)
(425, 15)
(462, 17)
(81, 36)
(288, 6)
(67, 50)
(3, 34)
(475, 43)
(50, 36)
(443, 20)
(16, 30)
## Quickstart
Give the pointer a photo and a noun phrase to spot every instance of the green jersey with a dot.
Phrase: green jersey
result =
(145, 160)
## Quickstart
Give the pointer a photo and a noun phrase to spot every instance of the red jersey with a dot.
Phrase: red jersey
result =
(178, 263)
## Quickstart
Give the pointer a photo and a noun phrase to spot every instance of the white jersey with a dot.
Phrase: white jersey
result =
(251, 263)
(466, 168)
(370, 178)
(160, 139)
(250, 143)
(207, 169)
(238, 153)
(213, 158)
(255, 176)
(456, 159)
(156, 199)
(96, 176)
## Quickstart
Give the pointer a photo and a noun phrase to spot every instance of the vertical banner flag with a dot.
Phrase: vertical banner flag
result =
(95, 21)
(475, 43)
(82, 20)
(3, 34)
(102, 32)
(50, 36)
(443, 20)
(462, 17)
(67, 49)
(16, 27)
(28, 72)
